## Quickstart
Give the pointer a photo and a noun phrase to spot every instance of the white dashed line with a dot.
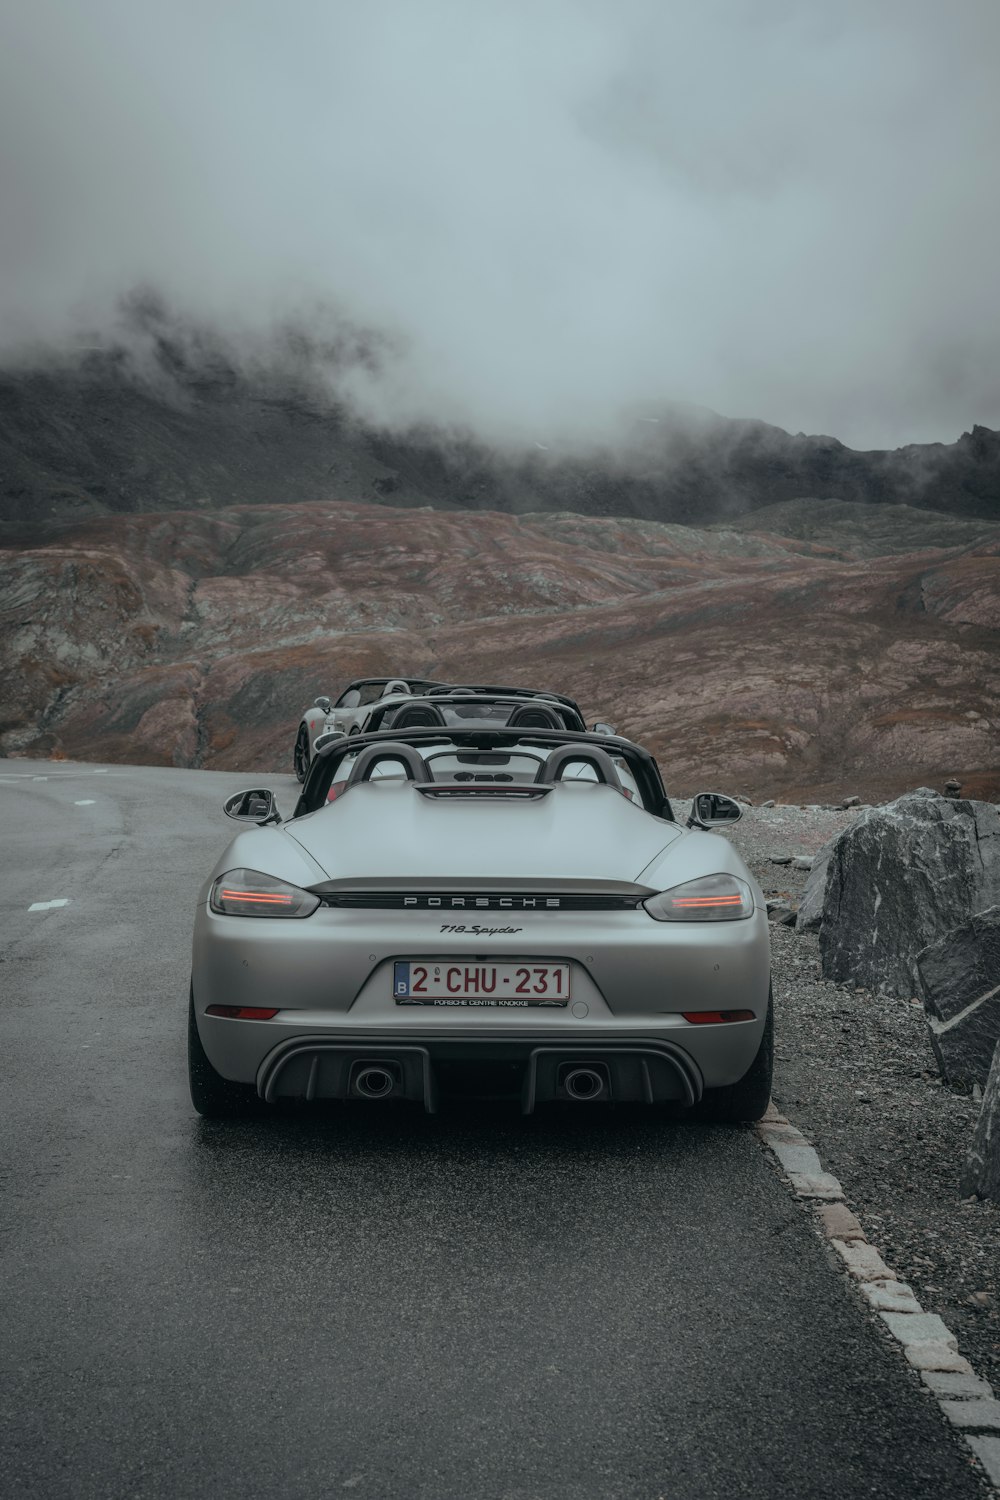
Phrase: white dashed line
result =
(47, 905)
(84, 802)
(59, 775)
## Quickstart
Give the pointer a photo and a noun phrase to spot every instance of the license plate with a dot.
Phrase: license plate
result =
(482, 986)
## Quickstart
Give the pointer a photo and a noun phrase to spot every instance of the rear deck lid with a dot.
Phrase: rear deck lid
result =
(393, 832)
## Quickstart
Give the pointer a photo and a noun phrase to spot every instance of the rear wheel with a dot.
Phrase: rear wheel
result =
(213, 1096)
(301, 756)
(748, 1099)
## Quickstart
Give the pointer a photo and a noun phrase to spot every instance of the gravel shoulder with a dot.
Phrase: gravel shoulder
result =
(856, 1073)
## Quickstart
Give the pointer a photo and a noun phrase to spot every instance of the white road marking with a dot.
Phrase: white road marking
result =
(59, 775)
(47, 905)
(84, 802)
(929, 1345)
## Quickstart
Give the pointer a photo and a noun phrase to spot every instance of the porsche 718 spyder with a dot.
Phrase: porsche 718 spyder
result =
(488, 911)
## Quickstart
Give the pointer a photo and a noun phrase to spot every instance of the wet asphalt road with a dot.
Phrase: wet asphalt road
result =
(373, 1303)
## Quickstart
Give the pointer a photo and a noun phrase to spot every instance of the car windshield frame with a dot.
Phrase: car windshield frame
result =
(641, 765)
(417, 686)
(499, 691)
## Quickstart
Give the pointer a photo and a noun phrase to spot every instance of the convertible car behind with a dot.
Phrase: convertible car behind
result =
(371, 703)
(489, 911)
(348, 714)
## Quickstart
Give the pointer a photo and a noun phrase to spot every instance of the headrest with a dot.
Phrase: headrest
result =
(417, 716)
(534, 716)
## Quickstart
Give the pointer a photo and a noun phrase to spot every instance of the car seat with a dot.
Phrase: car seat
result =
(534, 716)
(418, 716)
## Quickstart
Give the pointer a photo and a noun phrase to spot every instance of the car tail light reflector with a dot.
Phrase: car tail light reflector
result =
(716, 1017)
(243, 1012)
(712, 898)
(250, 893)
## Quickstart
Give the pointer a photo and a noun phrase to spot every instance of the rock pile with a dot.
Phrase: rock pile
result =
(907, 900)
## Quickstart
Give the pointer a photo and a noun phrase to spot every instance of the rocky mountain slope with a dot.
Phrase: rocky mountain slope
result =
(90, 438)
(827, 659)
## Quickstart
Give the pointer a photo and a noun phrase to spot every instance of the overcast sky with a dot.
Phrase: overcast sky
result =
(787, 209)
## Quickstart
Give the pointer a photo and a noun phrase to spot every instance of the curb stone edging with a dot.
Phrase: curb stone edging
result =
(965, 1399)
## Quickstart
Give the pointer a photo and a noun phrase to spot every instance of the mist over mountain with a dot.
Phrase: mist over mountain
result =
(188, 430)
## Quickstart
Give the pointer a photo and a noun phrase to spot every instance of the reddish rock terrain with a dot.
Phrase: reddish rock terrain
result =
(820, 653)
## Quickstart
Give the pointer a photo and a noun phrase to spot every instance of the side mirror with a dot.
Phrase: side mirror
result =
(711, 809)
(327, 738)
(324, 703)
(601, 728)
(256, 806)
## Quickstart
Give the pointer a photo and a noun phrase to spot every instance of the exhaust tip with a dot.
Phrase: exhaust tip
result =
(584, 1083)
(374, 1082)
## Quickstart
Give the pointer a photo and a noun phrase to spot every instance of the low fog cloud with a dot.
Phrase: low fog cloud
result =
(550, 210)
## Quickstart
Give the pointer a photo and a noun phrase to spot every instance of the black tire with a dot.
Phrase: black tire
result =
(300, 758)
(747, 1100)
(212, 1095)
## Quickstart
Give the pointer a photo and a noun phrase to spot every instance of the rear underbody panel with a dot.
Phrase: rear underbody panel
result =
(557, 1066)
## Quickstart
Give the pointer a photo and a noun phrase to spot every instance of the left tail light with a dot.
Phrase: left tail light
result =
(250, 893)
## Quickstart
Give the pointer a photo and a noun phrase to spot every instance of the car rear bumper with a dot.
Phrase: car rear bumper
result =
(331, 978)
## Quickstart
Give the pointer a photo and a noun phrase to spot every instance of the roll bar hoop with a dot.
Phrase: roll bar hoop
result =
(417, 768)
(553, 767)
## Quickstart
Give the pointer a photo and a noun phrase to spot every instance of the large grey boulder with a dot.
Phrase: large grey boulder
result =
(958, 979)
(810, 916)
(982, 1166)
(901, 877)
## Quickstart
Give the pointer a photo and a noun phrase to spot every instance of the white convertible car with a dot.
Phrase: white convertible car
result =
(348, 714)
(481, 910)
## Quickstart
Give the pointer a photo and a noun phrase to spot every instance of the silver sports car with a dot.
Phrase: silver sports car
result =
(348, 714)
(499, 910)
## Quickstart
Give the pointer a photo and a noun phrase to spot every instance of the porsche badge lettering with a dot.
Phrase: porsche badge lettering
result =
(486, 903)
